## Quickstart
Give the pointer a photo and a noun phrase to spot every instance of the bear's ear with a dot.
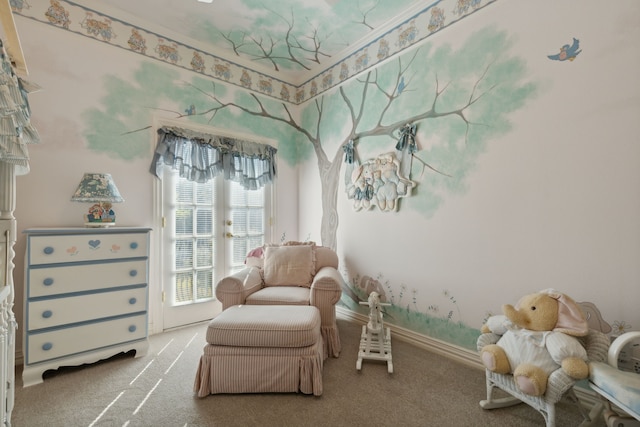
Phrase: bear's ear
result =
(571, 319)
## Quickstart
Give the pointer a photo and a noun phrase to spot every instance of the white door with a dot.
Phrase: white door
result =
(208, 231)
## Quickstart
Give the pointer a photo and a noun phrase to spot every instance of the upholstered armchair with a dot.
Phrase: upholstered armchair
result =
(293, 273)
(559, 385)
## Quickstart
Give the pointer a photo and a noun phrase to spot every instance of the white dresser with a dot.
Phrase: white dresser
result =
(86, 296)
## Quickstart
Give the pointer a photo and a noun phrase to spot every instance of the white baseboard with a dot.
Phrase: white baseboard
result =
(460, 354)
(587, 397)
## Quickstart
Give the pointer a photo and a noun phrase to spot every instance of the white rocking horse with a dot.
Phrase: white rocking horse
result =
(375, 341)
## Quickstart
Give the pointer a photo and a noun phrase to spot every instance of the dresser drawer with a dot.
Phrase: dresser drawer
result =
(68, 341)
(85, 247)
(63, 311)
(48, 281)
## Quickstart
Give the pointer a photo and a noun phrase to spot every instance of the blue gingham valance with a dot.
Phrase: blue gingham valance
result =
(200, 157)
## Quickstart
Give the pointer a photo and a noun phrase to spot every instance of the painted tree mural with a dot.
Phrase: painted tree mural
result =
(471, 90)
(459, 99)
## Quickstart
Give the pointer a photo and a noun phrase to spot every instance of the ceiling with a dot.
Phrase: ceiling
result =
(284, 38)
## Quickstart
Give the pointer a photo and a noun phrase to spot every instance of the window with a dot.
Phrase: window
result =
(209, 229)
(247, 209)
(194, 241)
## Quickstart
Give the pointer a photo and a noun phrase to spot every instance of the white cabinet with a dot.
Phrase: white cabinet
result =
(86, 296)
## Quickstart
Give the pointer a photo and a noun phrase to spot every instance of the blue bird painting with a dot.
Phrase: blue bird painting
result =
(191, 110)
(401, 85)
(567, 52)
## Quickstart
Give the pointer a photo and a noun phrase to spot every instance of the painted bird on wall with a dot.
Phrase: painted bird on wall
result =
(567, 52)
(191, 110)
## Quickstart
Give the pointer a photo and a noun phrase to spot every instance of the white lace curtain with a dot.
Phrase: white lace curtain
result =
(200, 157)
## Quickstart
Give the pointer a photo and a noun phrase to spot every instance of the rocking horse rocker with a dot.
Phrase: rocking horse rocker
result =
(375, 341)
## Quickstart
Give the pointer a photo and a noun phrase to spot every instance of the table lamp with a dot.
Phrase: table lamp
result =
(98, 188)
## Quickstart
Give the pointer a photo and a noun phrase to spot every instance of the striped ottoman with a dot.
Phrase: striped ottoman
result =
(261, 349)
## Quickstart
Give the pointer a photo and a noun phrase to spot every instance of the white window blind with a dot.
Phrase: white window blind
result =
(195, 216)
(248, 215)
(215, 224)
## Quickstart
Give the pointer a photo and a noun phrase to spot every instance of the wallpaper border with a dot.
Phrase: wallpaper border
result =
(90, 23)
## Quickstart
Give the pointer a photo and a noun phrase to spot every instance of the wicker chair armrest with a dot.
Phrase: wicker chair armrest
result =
(618, 345)
(486, 339)
(597, 345)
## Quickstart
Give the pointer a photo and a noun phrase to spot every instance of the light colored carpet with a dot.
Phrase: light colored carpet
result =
(425, 389)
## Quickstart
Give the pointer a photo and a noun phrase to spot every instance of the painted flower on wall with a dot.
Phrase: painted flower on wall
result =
(620, 327)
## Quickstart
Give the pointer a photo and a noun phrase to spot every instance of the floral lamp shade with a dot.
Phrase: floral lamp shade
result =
(100, 189)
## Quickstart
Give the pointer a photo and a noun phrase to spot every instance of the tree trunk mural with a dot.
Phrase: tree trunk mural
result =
(329, 177)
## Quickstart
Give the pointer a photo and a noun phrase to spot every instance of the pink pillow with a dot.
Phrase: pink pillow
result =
(256, 253)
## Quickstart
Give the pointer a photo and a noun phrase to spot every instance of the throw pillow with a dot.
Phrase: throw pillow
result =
(289, 265)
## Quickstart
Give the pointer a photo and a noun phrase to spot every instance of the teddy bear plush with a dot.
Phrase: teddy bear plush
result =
(538, 336)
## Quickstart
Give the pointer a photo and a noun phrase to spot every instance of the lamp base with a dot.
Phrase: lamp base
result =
(99, 224)
(100, 215)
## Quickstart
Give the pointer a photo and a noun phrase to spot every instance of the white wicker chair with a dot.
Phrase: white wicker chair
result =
(618, 389)
(559, 384)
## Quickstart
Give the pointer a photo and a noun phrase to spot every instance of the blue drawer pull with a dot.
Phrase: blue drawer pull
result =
(47, 346)
(134, 245)
(132, 328)
(48, 281)
(47, 314)
(132, 301)
(48, 250)
(133, 273)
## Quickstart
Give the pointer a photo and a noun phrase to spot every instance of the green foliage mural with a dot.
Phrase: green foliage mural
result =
(120, 128)
(125, 109)
(459, 99)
